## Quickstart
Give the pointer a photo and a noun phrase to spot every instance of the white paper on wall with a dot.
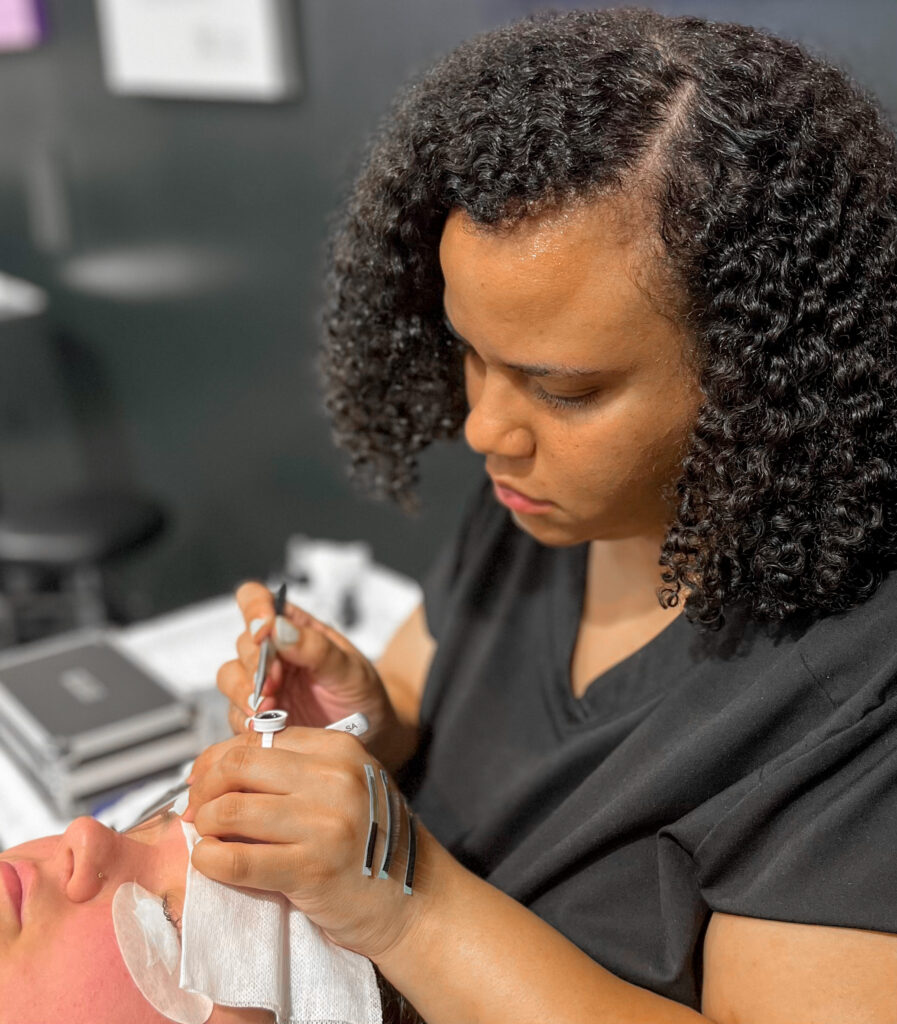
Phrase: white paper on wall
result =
(205, 49)
(21, 25)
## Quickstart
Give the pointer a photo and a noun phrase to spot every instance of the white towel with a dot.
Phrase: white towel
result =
(254, 949)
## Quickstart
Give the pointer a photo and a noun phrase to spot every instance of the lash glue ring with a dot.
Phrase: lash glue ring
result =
(268, 723)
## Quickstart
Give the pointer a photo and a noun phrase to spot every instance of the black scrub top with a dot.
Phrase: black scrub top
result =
(751, 771)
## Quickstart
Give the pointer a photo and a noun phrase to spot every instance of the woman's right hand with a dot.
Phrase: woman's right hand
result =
(317, 677)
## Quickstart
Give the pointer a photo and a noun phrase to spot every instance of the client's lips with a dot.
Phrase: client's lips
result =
(12, 887)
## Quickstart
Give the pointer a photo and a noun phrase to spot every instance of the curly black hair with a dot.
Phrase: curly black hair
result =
(395, 1008)
(772, 180)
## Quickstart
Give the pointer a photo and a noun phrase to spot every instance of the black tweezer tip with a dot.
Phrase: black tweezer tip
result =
(280, 599)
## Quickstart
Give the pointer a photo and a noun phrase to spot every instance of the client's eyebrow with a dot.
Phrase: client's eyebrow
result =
(530, 369)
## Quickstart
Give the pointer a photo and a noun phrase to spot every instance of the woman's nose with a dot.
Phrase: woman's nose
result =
(89, 851)
(492, 428)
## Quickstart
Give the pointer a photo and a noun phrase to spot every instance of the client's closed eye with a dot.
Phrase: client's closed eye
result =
(170, 915)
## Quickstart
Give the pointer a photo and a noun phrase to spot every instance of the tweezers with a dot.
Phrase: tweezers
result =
(160, 804)
(261, 670)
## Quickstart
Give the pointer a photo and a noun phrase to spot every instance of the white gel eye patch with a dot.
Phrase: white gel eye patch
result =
(152, 953)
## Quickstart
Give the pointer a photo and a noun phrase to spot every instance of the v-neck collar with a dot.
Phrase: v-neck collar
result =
(618, 689)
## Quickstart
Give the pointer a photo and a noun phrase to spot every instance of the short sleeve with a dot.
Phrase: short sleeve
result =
(441, 578)
(813, 837)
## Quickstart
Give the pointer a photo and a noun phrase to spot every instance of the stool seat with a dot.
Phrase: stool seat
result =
(77, 528)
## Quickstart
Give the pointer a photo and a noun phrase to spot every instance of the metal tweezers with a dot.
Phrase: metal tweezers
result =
(261, 669)
(160, 804)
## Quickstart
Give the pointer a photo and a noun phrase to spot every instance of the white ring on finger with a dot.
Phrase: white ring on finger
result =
(268, 723)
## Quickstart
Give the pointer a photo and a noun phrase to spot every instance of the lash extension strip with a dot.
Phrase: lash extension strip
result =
(372, 827)
(390, 838)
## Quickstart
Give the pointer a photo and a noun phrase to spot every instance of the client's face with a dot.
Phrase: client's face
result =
(59, 958)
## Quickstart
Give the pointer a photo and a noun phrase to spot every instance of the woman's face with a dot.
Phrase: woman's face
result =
(579, 394)
(59, 958)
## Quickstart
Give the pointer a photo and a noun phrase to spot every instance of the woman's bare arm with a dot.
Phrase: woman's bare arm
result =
(403, 668)
(777, 972)
(473, 954)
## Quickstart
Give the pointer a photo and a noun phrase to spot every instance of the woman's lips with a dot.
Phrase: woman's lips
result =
(12, 886)
(520, 502)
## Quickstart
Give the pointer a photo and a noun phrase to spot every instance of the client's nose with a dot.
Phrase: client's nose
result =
(88, 848)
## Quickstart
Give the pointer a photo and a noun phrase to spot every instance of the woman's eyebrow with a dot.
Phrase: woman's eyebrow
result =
(531, 369)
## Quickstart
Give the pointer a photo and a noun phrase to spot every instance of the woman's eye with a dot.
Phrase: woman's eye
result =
(566, 401)
(170, 916)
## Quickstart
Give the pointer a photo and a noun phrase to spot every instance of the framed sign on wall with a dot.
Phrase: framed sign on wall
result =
(199, 49)
(22, 25)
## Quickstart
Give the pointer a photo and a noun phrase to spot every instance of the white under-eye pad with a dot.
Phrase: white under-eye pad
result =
(152, 953)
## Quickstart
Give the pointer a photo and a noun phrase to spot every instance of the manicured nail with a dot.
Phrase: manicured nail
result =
(284, 632)
(257, 624)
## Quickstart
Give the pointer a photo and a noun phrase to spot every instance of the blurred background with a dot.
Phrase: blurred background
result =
(177, 240)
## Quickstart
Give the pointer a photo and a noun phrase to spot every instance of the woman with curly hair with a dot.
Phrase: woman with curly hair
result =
(647, 711)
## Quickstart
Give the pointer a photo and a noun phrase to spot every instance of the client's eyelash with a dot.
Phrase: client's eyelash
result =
(169, 915)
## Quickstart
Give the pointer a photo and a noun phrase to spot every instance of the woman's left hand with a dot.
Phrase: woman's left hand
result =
(294, 819)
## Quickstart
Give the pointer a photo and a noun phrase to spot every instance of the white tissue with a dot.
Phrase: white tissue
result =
(254, 949)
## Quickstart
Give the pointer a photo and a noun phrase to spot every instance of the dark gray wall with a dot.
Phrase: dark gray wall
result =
(181, 244)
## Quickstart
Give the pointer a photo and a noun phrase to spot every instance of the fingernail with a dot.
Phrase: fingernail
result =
(257, 624)
(284, 632)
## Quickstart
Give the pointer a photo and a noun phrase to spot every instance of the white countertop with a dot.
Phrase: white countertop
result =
(186, 648)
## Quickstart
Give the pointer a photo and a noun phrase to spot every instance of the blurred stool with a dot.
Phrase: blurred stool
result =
(53, 553)
(57, 534)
